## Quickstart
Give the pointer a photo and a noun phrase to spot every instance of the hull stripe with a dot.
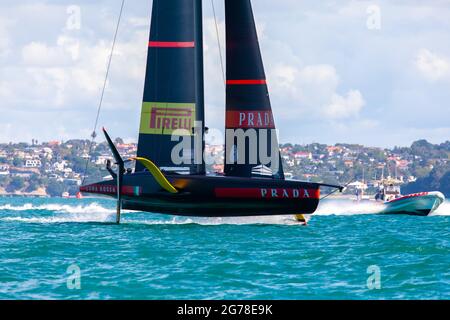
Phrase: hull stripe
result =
(111, 189)
(414, 195)
(267, 193)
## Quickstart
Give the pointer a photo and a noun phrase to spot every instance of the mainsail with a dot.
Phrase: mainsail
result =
(248, 109)
(173, 93)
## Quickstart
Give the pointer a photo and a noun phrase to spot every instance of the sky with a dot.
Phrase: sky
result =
(370, 72)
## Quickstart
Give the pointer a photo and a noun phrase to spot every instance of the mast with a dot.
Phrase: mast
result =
(200, 91)
(173, 91)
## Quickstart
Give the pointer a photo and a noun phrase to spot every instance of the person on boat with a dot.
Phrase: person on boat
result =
(359, 194)
(378, 195)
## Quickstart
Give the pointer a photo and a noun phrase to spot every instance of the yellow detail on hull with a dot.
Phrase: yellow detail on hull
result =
(157, 174)
(300, 218)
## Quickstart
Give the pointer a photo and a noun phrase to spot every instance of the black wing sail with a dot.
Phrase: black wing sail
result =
(173, 92)
(248, 109)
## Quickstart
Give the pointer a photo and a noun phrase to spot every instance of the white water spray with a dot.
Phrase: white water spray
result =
(95, 212)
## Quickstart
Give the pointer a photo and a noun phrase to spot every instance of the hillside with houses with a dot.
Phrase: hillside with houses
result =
(55, 168)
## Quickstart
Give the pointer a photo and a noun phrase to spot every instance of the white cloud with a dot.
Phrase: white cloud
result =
(138, 22)
(214, 78)
(343, 107)
(71, 72)
(4, 40)
(432, 66)
(320, 74)
(7, 132)
(312, 91)
(39, 54)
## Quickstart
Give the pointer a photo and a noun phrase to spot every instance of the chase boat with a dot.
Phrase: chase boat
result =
(417, 204)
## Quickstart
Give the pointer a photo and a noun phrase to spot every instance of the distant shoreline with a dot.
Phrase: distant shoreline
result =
(25, 196)
(39, 193)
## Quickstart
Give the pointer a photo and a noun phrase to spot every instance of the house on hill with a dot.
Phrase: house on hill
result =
(4, 170)
(303, 155)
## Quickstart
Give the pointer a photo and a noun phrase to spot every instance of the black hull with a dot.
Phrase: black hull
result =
(236, 208)
(213, 196)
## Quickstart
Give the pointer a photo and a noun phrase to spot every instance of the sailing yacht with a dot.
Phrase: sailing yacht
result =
(173, 110)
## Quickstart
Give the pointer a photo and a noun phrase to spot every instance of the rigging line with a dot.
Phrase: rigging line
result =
(331, 193)
(218, 42)
(94, 134)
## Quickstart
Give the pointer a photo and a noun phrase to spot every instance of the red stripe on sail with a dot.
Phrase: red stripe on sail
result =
(267, 193)
(246, 82)
(171, 44)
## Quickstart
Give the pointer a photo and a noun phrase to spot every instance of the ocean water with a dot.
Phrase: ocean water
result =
(69, 249)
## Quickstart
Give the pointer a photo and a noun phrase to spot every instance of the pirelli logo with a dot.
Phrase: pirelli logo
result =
(165, 118)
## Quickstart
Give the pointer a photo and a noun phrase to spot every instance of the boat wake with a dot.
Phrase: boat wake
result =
(62, 219)
(92, 207)
(347, 208)
(270, 220)
(96, 213)
(110, 218)
(443, 210)
(93, 212)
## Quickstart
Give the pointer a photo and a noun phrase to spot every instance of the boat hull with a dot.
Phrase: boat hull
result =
(418, 204)
(213, 196)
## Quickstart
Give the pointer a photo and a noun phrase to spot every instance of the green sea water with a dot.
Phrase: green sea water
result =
(69, 249)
